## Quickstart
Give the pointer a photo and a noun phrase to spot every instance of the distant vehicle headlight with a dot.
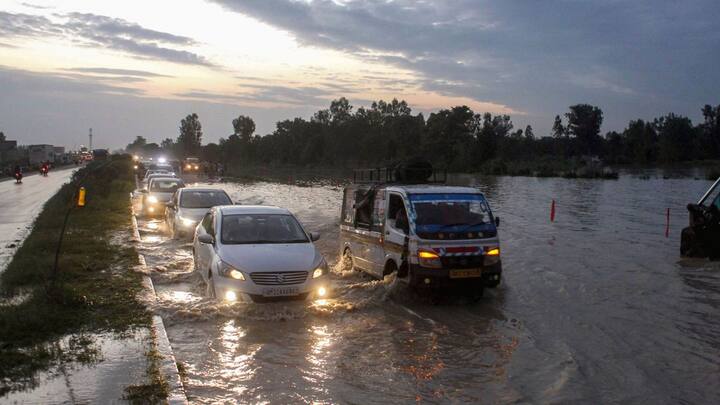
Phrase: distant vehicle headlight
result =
(135, 167)
(188, 167)
(229, 271)
(320, 270)
(197, 167)
(152, 199)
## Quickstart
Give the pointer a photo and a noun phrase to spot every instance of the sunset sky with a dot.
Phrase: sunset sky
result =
(128, 68)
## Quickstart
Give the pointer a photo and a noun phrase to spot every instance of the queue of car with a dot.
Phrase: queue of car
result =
(429, 234)
(248, 253)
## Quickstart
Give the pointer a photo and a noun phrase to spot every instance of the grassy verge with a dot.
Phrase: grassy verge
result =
(94, 290)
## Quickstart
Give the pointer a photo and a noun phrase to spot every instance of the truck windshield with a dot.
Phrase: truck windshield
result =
(450, 212)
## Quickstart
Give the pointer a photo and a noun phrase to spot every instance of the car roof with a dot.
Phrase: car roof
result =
(251, 209)
(166, 178)
(202, 189)
(435, 189)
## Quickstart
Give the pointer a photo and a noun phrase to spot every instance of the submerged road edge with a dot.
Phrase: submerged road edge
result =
(168, 366)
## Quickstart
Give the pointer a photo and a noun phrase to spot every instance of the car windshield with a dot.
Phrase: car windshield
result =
(203, 199)
(261, 228)
(438, 212)
(165, 185)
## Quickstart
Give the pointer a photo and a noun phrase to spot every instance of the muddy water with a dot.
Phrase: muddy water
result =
(596, 307)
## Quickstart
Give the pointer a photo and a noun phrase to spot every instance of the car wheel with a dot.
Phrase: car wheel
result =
(347, 261)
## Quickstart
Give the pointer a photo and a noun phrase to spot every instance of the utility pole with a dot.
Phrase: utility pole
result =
(90, 136)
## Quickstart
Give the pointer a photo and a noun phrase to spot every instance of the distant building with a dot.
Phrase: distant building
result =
(59, 150)
(38, 154)
(9, 152)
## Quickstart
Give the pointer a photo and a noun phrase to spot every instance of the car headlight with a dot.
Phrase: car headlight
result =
(229, 271)
(152, 199)
(321, 269)
(197, 167)
(187, 222)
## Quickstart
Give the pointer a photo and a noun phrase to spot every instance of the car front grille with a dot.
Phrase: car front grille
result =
(279, 278)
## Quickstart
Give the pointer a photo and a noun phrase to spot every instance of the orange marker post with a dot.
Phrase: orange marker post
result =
(81, 197)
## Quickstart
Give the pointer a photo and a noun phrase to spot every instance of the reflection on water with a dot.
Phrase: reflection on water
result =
(595, 307)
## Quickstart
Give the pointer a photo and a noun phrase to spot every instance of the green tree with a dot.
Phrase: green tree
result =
(190, 138)
(2, 137)
(584, 122)
(558, 130)
(675, 137)
(529, 134)
(244, 127)
(137, 145)
(711, 131)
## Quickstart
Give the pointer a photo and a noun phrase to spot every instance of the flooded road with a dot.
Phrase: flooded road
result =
(596, 307)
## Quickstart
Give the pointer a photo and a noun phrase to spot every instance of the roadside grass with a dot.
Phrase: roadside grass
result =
(95, 289)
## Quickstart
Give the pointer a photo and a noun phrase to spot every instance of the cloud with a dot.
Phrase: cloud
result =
(632, 58)
(35, 6)
(106, 32)
(63, 86)
(265, 94)
(115, 71)
(57, 109)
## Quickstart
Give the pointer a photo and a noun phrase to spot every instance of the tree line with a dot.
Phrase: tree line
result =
(456, 138)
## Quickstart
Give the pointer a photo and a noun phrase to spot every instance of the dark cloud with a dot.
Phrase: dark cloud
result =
(114, 71)
(102, 31)
(59, 86)
(300, 96)
(635, 59)
(35, 6)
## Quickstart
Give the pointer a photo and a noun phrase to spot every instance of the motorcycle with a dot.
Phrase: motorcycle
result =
(44, 171)
(18, 178)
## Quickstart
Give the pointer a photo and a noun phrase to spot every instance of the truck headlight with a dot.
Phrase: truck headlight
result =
(229, 271)
(492, 255)
(430, 259)
(321, 269)
(152, 199)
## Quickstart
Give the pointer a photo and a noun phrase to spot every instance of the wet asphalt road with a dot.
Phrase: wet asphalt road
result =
(21, 203)
(597, 307)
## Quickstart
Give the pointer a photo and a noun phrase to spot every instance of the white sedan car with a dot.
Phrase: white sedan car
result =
(188, 207)
(258, 254)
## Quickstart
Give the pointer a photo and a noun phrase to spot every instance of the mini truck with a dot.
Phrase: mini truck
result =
(431, 234)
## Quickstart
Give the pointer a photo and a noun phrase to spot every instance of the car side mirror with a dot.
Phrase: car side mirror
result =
(206, 239)
(314, 236)
(497, 221)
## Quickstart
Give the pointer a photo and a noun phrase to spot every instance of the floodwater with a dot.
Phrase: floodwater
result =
(596, 307)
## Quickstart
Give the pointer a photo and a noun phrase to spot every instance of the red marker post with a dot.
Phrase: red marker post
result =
(667, 223)
(552, 211)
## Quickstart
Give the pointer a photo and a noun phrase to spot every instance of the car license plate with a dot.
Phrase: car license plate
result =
(469, 273)
(280, 291)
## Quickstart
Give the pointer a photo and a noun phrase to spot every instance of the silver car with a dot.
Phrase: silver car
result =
(158, 193)
(189, 205)
(258, 254)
